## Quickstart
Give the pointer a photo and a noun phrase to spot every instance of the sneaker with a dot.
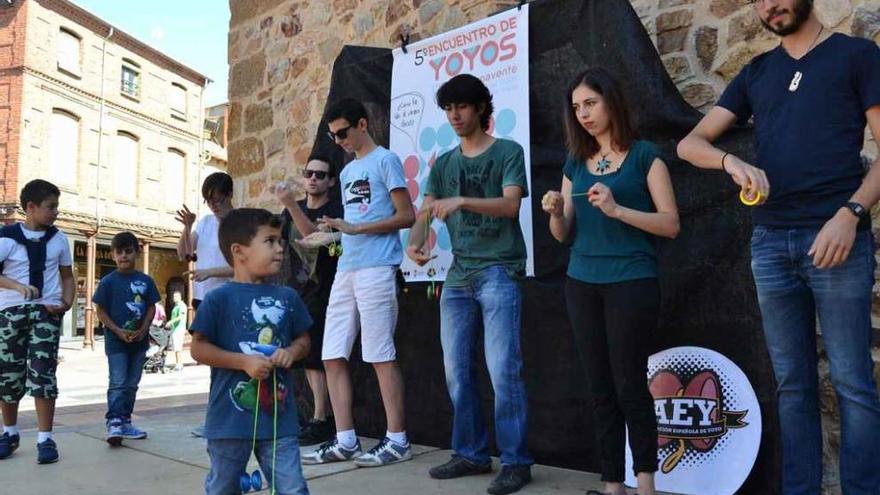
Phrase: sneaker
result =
(47, 452)
(132, 432)
(384, 453)
(8, 444)
(317, 431)
(511, 479)
(332, 451)
(458, 467)
(114, 433)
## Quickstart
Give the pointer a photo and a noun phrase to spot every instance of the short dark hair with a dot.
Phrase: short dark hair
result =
(218, 182)
(349, 109)
(37, 191)
(124, 240)
(240, 226)
(468, 89)
(323, 158)
(580, 143)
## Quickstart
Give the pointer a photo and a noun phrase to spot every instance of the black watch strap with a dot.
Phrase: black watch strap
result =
(857, 209)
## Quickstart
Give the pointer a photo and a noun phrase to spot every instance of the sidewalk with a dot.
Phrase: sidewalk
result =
(171, 461)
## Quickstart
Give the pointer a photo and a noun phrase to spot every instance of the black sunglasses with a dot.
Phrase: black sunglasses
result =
(320, 174)
(340, 134)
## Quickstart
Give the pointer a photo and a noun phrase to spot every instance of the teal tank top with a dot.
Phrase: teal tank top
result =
(607, 250)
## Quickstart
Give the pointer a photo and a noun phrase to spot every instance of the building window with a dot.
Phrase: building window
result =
(131, 78)
(64, 147)
(69, 52)
(173, 178)
(127, 166)
(177, 100)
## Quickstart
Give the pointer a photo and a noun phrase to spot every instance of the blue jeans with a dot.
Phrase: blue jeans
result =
(229, 459)
(126, 369)
(495, 299)
(791, 291)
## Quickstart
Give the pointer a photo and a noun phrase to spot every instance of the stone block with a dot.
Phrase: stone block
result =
(428, 10)
(246, 157)
(678, 68)
(246, 77)
(723, 8)
(744, 27)
(866, 22)
(833, 12)
(396, 11)
(698, 95)
(672, 41)
(670, 21)
(258, 117)
(706, 43)
(278, 72)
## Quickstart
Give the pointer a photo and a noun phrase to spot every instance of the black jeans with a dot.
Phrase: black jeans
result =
(613, 325)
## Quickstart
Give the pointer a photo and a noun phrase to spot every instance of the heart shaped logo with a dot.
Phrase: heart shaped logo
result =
(690, 414)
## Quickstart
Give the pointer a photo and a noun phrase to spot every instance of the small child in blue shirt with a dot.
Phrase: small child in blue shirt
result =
(250, 333)
(125, 301)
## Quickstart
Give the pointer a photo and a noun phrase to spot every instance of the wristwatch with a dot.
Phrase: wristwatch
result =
(858, 210)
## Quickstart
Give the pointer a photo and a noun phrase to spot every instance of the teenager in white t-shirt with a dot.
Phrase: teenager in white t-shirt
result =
(363, 298)
(36, 289)
(212, 270)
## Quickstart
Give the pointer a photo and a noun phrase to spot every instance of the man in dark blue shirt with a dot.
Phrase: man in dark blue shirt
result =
(812, 248)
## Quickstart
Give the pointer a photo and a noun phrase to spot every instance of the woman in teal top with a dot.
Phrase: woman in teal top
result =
(617, 194)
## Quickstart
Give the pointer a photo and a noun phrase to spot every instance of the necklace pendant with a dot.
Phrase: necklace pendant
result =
(603, 165)
(795, 81)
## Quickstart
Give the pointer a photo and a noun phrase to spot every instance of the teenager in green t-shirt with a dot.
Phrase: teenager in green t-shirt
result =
(477, 189)
(617, 193)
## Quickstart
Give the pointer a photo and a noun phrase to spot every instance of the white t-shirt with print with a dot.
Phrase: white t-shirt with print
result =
(17, 267)
(208, 255)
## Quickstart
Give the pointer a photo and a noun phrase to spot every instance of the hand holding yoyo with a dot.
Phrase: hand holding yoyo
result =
(755, 188)
(553, 203)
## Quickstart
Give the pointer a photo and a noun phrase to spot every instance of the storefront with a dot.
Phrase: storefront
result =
(161, 263)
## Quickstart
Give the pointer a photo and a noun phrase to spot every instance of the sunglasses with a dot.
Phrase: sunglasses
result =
(340, 134)
(319, 174)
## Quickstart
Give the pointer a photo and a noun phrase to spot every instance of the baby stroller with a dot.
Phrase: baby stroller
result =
(160, 338)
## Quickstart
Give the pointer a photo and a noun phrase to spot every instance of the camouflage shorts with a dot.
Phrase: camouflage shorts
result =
(29, 338)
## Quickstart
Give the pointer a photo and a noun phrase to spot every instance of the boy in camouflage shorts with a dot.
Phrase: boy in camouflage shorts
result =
(36, 289)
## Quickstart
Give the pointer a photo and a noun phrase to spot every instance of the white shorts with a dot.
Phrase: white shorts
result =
(177, 340)
(364, 300)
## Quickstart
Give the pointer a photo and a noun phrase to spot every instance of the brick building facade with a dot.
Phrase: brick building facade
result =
(117, 125)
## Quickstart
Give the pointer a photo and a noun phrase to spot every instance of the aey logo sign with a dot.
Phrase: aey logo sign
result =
(708, 421)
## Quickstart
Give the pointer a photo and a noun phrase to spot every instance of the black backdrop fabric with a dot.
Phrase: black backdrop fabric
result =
(708, 296)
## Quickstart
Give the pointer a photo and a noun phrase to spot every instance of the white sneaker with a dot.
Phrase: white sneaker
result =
(332, 451)
(384, 453)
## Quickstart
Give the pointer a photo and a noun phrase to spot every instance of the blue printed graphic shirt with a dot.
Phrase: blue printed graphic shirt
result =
(125, 297)
(366, 196)
(252, 319)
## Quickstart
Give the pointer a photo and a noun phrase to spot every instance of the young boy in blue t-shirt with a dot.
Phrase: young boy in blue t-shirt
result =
(125, 300)
(250, 333)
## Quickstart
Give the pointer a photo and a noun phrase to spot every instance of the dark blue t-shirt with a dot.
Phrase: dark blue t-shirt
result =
(250, 318)
(125, 297)
(607, 250)
(810, 125)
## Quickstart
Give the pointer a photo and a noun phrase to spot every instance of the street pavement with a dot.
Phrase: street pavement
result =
(171, 461)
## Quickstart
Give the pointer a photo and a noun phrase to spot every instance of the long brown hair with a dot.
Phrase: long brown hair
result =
(579, 142)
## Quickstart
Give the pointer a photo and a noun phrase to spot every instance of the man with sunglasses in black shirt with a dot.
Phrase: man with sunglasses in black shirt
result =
(317, 182)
